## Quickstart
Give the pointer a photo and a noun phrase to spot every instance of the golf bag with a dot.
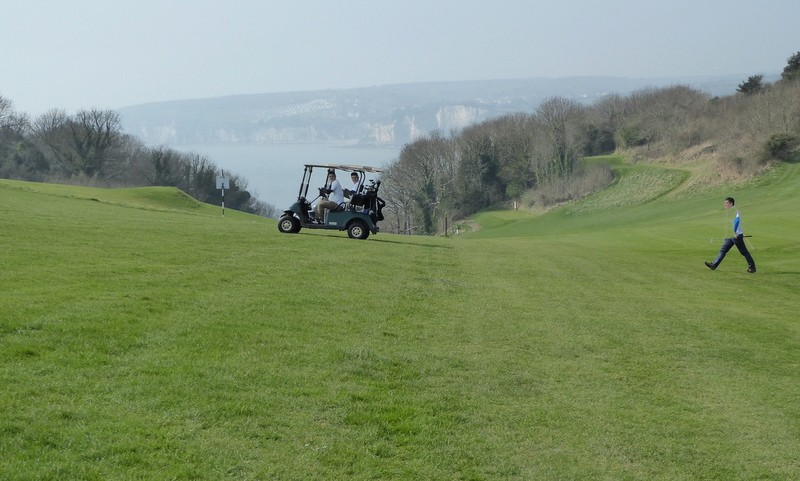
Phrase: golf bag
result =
(369, 200)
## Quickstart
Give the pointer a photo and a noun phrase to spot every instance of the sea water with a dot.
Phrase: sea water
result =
(274, 171)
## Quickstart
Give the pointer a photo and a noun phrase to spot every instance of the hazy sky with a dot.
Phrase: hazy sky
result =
(80, 54)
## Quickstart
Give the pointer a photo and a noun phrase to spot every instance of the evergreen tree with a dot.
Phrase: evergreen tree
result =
(753, 85)
(792, 69)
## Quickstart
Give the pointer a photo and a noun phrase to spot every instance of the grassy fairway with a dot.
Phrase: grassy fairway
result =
(143, 336)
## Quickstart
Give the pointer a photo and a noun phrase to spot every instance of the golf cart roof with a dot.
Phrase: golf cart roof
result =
(348, 168)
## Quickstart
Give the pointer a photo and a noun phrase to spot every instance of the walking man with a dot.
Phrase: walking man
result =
(737, 240)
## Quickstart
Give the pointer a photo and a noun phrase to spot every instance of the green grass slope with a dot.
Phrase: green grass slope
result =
(144, 336)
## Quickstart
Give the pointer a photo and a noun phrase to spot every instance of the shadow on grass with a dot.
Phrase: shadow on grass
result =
(387, 241)
(373, 239)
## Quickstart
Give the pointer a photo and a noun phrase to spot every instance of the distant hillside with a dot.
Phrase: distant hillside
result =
(381, 115)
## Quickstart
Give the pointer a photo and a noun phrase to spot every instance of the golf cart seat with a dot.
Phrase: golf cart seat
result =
(358, 200)
(339, 208)
(342, 206)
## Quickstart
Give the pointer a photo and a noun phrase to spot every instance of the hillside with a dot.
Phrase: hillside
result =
(145, 336)
(379, 115)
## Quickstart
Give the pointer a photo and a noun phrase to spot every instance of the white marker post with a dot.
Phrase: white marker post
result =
(223, 183)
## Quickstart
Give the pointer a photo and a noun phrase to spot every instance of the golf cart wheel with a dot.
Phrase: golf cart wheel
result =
(358, 230)
(289, 225)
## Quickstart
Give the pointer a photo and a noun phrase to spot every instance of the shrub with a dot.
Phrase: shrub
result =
(780, 146)
(631, 136)
(562, 189)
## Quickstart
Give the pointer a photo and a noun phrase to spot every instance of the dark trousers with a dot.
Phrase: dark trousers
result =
(739, 243)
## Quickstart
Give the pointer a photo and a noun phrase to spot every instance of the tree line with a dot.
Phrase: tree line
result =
(532, 159)
(535, 159)
(90, 148)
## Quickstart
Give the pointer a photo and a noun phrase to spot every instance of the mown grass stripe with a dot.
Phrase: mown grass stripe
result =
(587, 343)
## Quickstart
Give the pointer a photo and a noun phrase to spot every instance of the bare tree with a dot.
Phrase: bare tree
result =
(50, 131)
(95, 135)
(478, 182)
(17, 157)
(12, 121)
(199, 177)
(166, 167)
(6, 111)
(397, 191)
(422, 179)
(559, 117)
(87, 144)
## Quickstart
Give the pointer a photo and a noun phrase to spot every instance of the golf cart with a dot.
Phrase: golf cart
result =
(358, 214)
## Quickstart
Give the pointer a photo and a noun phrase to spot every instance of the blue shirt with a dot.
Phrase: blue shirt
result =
(737, 225)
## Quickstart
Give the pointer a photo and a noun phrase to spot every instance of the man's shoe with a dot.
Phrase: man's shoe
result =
(751, 270)
(713, 267)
